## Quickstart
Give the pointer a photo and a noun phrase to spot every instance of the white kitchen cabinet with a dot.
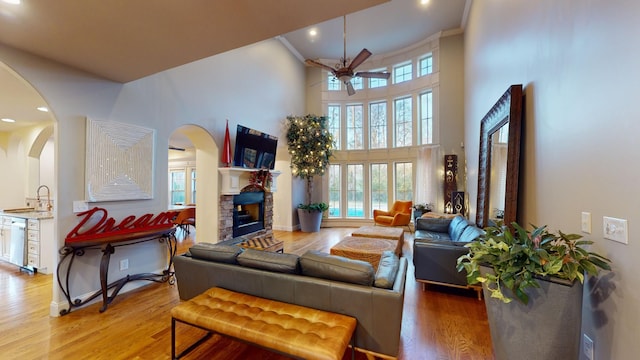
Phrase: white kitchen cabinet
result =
(5, 237)
(40, 250)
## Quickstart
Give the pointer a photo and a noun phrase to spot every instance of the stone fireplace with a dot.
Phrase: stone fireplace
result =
(248, 214)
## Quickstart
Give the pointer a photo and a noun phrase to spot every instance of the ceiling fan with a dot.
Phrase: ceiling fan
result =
(345, 73)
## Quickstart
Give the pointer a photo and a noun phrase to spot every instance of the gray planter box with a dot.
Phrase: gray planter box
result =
(547, 328)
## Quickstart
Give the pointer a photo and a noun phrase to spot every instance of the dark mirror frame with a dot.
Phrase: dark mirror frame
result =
(508, 110)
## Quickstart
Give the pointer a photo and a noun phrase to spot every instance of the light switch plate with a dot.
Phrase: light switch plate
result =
(586, 222)
(615, 229)
(80, 206)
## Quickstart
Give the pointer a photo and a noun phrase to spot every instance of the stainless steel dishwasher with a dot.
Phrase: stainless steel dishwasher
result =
(17, 248)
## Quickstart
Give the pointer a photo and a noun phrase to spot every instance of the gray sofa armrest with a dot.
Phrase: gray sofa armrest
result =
(437, 262)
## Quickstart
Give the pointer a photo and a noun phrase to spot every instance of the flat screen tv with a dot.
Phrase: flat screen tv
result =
(254, 149)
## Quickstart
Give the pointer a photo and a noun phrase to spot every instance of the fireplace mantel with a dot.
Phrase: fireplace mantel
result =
(233, 179)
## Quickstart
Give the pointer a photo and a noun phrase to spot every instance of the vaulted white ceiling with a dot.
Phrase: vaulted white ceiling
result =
(125, 40)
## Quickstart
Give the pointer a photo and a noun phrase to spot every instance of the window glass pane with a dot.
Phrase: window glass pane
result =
(426, 65)
(402, 122)
(193, 186)
(379, 191)
(333, 84)
(357, 83)
(333, 112)
(355, 190)
(426, 118)
(378, 125)
(177, 186)
(402, 73)
(375, 83)
(403, 181)
(354, 127)
(334, 190)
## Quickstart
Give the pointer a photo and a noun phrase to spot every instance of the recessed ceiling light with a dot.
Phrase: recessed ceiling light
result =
(42, 108)
(313, 32)
(12, 2)
(8, 120)
(424, 2)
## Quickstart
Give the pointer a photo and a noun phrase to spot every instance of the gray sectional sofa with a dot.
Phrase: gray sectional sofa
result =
(316, 280)
(437, 245)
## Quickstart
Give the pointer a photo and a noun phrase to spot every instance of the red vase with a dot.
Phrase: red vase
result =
(226, 148)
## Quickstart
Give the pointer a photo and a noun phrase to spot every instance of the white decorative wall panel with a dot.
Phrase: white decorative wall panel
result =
(119, 162)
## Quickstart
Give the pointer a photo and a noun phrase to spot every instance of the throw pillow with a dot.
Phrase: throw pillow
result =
(215, 252)
(387, 270)
(333, 267)
(270, 261)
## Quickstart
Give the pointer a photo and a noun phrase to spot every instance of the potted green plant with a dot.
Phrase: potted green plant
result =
(539, 269)
(310, 145)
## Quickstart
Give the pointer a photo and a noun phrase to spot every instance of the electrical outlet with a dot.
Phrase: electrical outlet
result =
(615, 229)
(124, 264)
(586, 222)
(587, 345)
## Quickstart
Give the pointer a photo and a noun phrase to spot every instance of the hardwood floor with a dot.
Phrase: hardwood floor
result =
(439, 323)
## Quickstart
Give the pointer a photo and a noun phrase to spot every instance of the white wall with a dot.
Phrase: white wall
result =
(577, 61)
(257, 85)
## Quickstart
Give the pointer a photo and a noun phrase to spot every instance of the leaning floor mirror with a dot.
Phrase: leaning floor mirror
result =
(499, 163)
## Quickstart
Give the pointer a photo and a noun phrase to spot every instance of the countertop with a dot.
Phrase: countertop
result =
(37, 215)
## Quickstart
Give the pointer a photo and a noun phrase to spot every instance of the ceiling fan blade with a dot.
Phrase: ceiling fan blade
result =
(373, 74)
(318, 64)
(350, 89)
(360, 58)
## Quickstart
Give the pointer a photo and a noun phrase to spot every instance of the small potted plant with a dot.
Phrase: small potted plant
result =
(310, 144)
(539, 269)
(421, 208)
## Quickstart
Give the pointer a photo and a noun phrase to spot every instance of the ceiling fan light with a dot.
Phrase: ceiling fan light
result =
(345, 78)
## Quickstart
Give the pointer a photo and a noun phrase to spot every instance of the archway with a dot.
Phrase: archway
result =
(205, 153)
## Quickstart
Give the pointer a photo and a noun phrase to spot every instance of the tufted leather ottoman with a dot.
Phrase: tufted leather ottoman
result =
(365, 248)
(286, 328)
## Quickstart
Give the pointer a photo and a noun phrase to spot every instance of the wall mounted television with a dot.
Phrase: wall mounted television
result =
(254, 149)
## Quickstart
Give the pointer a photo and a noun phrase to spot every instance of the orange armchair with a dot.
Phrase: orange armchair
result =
(399, 215)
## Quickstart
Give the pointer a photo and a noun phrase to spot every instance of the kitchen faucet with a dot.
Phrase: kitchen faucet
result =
(48, 196)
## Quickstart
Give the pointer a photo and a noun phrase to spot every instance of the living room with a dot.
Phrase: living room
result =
(569, 57)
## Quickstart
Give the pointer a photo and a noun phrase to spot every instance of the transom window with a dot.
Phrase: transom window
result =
(375, 82)
(402, 73)
(333, 84)
(357, 83)
(426, 65)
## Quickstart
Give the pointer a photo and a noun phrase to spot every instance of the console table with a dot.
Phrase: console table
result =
(107, 246)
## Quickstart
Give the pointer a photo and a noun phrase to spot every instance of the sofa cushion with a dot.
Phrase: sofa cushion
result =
(469, 234)
(423, 235)
(333, 267)
(270, 261)
(387, 270)
(215, 252)
(440, 225)
(457, 226)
